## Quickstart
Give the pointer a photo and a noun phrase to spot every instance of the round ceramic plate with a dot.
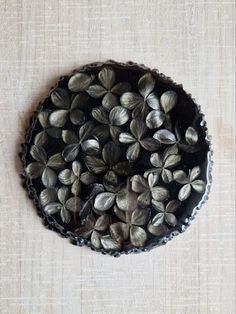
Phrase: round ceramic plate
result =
(117, 157)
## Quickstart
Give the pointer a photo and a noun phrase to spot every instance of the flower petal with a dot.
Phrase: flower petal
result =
(154, 119)
(184, 192)
(139, 184)
(146, 84)
(140, 111)
(191, 136)
(152, 179)
(172, 206)
(65, 216)
(158, 206)
(150, 144)
(172, 161)
(126, 199)
(56, 161)
(76, 187)
(158, 219)
(119, 231)
(107, 77)
(84, 231)
(38, 153)
(109, 101)
(195, 173)
(104, 201)
(138, 236)
(91, 147)
(126, 138)
(87, 178)
(80, 101)
(111, 153)
(101, 115)
(140, 216)
(110, 178)
(58, 118)
(122, 215)
(160, 194)
(69, 137)
(79, 82)
(138, 128)
(63, 194)
(115, 132)
(153, 101)
(168, 100)
(102, 222)
(110, 244)
(41, 138)
(47, 196)
(86, 130)
(170, 150)
(159, 230)
(54, 132)
(180, 176)
(118, 116)
(170, 219)
(199, 186)
(121, 88)
(122, 168)
(166, 176)
(131, 100)
(165, 137)
(70, 152)
(49, 178)
(102, 132)
(133, 152)
(77, 117)
(144, 199)
(74, 204)
(34, 170)
(156, 160)
(95, 164)
(60, 98)
(52, 208)
(66, 177)
(96, 91)
(96, 239)
(43, 118)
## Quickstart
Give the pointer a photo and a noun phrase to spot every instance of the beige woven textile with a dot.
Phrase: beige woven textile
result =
(194, 43)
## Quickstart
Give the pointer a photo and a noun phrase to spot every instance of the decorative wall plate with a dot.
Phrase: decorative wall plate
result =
(117, 157)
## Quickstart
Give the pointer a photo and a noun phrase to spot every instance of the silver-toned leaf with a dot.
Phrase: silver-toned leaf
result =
(47, 196)
(95, 164)
(101, 115)
(180, 176)
(77, 117)
(43, 118)
(104, 201)
(131, 100)
(199, 186)
(76, 187)
(74, 204)
(41, 138)
(121, 88)
(150, 144)
(156, 160)
(170, 219)
(138, 236)
(158, 206)
(119, 231)
(65, 216)
(133, 152)
(144, 199)
(66, 177)
(91, 147)
(191, 136)
(107, 77)
(63, 194)
(152, 179)
(110, 244)
(140, 216)
(158, 219)
(111, 153)
(96, 239)
(138, 184)
(155, 119)
(54, 132)
(52, 208)
(39, 154)
(79, 82)
(195, 173)
(56, 161)
(109, 101)
(172, 206)
(86, 130)
(153, 101)
(146, 84)
(102, 132)
(69, 137)
(70, 152)
(96, 91)
(168, 100)
(87, 178)
(58, 118)
(172, 161)
(170, 150)
(160, 194)
(118, 116)
(165, 137)
(138, 128)
(157, 230)
(126, 138)
(60, 98)
(184, 192)
(49, 178)
(126, 199)
(122, 168)
(34, 170)
(166, 176)
(102, 222)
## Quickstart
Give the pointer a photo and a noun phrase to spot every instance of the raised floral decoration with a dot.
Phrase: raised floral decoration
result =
(110, 161)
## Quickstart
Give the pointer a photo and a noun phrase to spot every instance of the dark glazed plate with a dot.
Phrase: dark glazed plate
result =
(117, 157)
